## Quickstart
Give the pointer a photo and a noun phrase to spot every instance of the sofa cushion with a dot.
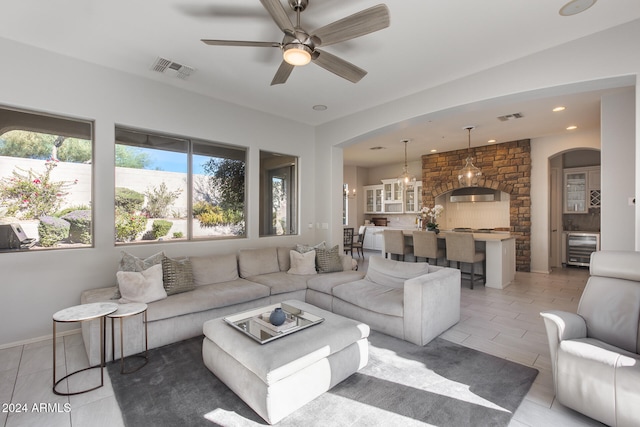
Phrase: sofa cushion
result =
(302, 264)
(284, 258)
(328, 260)
(214, 269)
(177, 275)
(282, 282)
(326, 282)
(252, 262)
(388, 272)
(144, 286)
(372, 296)
(207, 297)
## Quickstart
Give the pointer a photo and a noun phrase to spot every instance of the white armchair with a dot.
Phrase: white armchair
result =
(595, 353)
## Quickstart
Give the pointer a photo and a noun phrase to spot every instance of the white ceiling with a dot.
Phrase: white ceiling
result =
(451, 39)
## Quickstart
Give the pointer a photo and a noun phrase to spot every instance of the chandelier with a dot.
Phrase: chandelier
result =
(405, 178)
(469, 174)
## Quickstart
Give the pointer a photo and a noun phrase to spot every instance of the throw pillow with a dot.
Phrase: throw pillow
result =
(177, 275)
(130, 262)
(302, 263)
(328, 260)
(307, 248)
(144, 286)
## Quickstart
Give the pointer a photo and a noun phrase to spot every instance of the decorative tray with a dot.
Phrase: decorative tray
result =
(254, 324)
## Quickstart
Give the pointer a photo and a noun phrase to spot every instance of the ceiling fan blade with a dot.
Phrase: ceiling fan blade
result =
(279, 15)
(282, 74)
(364, 22)
(338, 66)
(240, 43)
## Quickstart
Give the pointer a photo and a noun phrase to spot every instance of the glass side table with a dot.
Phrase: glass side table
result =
(123, 311)
(82, 313)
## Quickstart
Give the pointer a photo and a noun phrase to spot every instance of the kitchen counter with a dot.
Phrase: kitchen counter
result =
(500, 250)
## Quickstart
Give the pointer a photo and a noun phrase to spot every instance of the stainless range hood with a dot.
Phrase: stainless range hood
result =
(474, 194)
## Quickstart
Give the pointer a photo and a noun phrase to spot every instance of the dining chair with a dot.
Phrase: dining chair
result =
(425, 245)
(461, 248)
(394, 243)
(358, 245)
(347, 240)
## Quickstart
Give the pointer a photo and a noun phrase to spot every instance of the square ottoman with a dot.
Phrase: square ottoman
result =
(278, 377)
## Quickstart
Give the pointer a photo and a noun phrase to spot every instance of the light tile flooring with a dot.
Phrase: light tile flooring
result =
(505, 323)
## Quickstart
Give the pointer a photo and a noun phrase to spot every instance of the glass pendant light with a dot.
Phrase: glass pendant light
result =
(469, 174)
(405, 178)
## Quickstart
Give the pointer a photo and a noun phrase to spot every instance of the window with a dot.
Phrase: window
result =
(278, 194)
(45, 181)
(171, 188)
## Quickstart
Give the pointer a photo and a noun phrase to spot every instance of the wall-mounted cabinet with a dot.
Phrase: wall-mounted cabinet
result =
(373, 198)
(392, 196)
(581, 189)
(413, 197)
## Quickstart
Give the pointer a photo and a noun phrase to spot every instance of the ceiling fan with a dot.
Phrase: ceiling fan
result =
(300, 47)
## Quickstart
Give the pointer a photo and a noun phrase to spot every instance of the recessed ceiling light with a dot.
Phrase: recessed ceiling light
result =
(319, 107)
(559, 108)
(572, 127)
(434, 150)
(576, 6)
(491, 141)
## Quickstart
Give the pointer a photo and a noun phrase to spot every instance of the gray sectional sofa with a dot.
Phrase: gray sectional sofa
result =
(400, 299)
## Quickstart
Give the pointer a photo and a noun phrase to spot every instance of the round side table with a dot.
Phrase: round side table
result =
(129, 310)
(82, 313)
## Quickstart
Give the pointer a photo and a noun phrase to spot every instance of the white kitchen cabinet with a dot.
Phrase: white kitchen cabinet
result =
(373, 238)
(581, 189)
(413, 197)
(373, 198)
(392, 194)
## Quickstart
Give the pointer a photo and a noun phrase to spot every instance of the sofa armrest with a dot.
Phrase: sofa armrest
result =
(560, 326)
(431, 304)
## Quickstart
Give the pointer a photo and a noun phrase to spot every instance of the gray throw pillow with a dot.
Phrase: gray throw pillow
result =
(328, 260)
(308, 248)
(130, 262)
(177, 275)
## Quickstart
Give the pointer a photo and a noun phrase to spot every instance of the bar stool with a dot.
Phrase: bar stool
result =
(425, 245)
(461, 248)
(394, 243)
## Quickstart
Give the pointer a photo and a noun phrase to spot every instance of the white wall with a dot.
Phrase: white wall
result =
(604, 60)
(618, 153)
(37, 284)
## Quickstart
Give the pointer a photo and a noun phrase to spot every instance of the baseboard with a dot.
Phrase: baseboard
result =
(39, 339)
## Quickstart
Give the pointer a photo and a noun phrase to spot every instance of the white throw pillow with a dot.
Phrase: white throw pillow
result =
(302, 263)
(144, 286)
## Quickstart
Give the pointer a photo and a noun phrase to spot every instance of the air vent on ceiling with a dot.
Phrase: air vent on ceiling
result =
(510, 117)
(377, 148)
(163, 65)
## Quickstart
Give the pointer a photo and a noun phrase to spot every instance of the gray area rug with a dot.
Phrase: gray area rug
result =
(442, 384)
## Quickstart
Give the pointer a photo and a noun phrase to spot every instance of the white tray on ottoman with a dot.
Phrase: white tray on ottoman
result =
(277, 378)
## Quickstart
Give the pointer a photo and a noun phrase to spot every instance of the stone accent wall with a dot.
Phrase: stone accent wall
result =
(505, 167)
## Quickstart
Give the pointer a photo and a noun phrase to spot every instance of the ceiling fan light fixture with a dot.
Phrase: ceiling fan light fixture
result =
(297, 54)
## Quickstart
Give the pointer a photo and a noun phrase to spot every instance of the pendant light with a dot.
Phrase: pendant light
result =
(469, 174)
(405, 178)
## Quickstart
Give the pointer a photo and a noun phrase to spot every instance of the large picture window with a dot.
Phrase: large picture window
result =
(278, 194)
(170, 188)
(45, 181)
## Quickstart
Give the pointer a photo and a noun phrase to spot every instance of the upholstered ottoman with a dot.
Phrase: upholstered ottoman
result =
(280, 376)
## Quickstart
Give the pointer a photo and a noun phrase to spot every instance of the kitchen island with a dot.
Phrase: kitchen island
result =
(500, 250)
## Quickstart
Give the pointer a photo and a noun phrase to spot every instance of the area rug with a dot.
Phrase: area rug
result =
(441, 384)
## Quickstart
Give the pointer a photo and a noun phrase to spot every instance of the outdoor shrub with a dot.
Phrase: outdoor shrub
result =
(128, 200)
(178, 235)
(202, 207)
(26, 194)
(52, 230)
(159, 199)
(211, 218)
(63, 212)
(129, 225)
(80, 226)
(160, 228)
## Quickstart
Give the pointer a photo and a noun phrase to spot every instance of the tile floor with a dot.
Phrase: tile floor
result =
(505, 323)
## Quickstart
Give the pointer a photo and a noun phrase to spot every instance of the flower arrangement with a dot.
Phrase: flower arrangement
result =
(433, 214)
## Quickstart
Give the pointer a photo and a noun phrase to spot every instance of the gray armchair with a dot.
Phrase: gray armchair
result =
(595, 353)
